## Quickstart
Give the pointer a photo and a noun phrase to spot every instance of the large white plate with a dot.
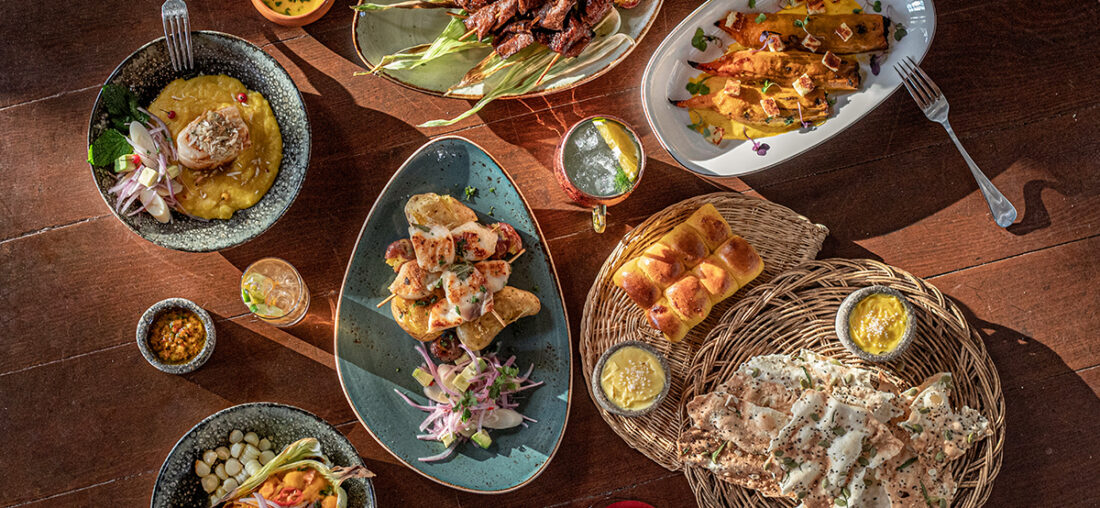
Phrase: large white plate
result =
(668, 72)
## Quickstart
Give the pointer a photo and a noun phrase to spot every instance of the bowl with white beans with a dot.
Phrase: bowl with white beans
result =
(221, 452)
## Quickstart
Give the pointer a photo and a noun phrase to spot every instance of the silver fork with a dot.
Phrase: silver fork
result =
(177, 34)
(934, 105)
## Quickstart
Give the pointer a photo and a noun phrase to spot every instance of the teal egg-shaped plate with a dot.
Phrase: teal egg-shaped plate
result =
(374, 356)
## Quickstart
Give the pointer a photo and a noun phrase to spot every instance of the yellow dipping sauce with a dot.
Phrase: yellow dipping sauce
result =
(217, 193)
(293, 7)
(877, 323)
(632, 378)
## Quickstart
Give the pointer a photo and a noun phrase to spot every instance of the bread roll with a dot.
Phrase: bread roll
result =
(666, 321)
(661, 265)
(742, 261)
(636, 285)
(709, 224)
(686, 244)
(688, 298)
(716, 280)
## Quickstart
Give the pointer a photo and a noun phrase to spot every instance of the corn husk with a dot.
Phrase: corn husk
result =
(302, 453)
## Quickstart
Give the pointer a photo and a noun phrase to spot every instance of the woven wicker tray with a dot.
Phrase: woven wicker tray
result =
(797, 310)
(783, 239)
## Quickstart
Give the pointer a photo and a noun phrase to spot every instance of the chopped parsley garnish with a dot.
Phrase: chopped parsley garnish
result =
(493, 190)
(814, 417)
(491, 210)
(699, 40)
(469, 192)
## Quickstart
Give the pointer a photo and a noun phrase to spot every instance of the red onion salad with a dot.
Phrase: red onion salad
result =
(153, 150)
(457, 412)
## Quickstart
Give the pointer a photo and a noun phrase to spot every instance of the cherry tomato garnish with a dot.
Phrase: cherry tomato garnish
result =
(171, 115)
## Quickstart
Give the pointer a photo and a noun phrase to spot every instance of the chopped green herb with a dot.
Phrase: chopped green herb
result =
(824, 443)
(877, 6)
(422, 227)
(970, 438)
(840, 501)
(940, 456)
(863, 461)
(761, 18)
(809, 380)
(948, 435)
(857, 11)
(838, 430)
(814, 417)
(469, 192)
(915, 428)
(752, 4)
(924, 410)
(755, 372)
(714, 456)
(493, 190)
(767, 84)
(491, 210)
(779, 453)
(906, 463)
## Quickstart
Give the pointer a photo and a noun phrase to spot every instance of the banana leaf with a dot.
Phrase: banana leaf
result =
(302, 453)
(524, 76)
(414, 4)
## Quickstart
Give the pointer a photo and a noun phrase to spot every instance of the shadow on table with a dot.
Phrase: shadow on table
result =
(341, 184)
(1050, 414)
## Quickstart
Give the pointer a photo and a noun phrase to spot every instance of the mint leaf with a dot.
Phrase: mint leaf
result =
(622, 181)
(107, 147)
(122, 106)
(752, 4)
(877, 6)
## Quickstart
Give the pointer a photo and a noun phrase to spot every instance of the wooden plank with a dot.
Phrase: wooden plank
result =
(1033, 309)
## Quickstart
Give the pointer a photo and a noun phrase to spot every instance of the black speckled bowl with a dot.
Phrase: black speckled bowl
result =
(845, 311)
(147, 321)
(177, 484)
(148, 70)
(597, 387)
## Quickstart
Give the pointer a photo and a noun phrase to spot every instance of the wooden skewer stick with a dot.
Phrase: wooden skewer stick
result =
(383, 302)
(467, 34)
(557, 56)
(501, 321)
(518, 254)
(456, 15)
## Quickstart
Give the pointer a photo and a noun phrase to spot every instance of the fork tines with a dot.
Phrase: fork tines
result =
(177, 34)
(919, 85)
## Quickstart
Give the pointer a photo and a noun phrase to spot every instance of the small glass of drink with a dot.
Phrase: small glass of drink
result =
(599, 161)
(275, 292)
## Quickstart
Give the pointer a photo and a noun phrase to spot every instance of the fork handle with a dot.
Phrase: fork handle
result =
(1004, 214)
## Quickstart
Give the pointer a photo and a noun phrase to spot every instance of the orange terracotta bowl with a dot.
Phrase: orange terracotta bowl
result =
(299, 20)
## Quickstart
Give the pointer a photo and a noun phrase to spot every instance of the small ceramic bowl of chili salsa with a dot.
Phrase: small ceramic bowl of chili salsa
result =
(176, 335)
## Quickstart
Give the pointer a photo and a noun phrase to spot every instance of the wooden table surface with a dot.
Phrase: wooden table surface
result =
(86, 421)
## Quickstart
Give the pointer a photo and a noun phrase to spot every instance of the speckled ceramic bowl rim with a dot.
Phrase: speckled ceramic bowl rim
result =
(845, 310)
(259, 231)
(539, 92)
(554, 276)
(601, 397)
(208, 419)
(147, 320)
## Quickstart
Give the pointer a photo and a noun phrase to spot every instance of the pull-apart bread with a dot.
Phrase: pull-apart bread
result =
(690, 269)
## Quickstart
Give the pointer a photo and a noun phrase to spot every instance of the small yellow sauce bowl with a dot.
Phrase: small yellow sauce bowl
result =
(603, 399)
(297, 20)
(880, 311)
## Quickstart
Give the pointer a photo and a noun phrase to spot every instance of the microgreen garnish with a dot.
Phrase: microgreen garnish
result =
(761, 149)
(767, 84)
(699, 40)
(697, 88)
(761, 18)
(801, 23)
(899, 32)
(469, 192)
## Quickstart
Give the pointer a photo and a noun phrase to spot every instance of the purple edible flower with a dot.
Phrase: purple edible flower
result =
(874, 64)
(761, 149)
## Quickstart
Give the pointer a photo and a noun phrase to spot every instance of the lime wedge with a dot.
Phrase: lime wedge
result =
(621, 144)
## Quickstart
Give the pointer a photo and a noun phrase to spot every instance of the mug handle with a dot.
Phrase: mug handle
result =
(599, 218)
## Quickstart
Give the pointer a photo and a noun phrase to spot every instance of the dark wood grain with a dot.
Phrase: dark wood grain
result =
(91, 421)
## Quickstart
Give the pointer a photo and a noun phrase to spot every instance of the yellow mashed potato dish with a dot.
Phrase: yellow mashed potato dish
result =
(217, 193)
